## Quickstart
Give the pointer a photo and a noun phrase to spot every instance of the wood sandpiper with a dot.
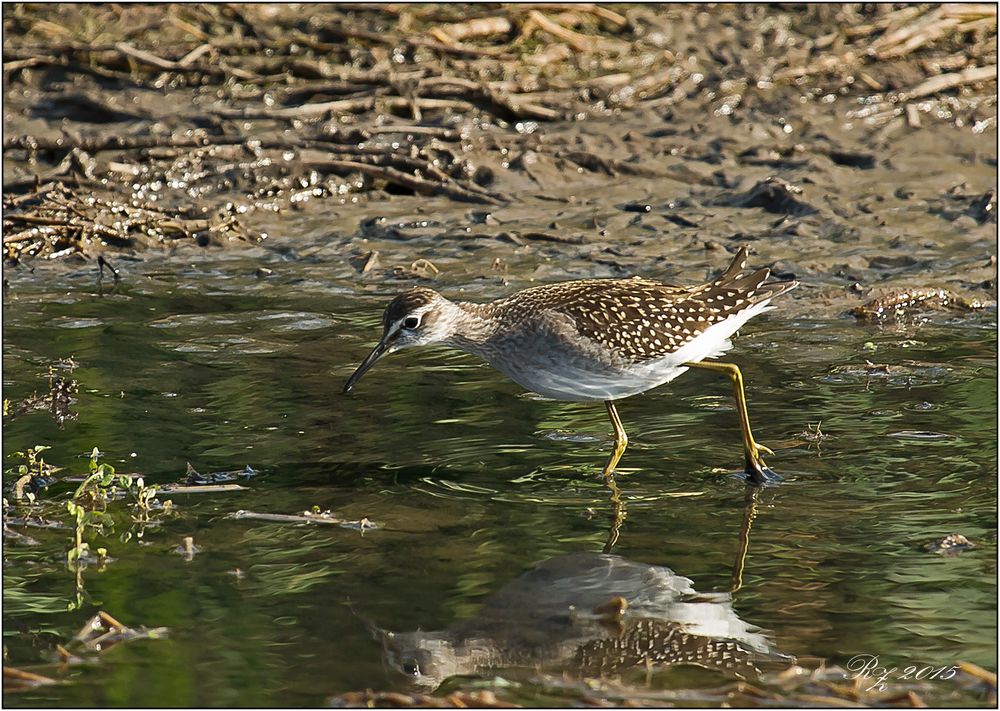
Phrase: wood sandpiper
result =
(595, 339)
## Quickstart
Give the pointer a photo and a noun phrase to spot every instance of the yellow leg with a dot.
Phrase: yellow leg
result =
(749, 514)
(621, 439)
(617, 514)
(755, 462)
(618, 506)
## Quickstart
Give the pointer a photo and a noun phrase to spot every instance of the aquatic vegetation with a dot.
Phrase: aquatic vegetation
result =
(57, 399)
(32, 475)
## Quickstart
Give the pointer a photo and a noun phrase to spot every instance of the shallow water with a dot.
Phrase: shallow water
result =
(473, 483)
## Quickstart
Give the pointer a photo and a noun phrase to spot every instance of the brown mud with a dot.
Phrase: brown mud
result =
(853, 147)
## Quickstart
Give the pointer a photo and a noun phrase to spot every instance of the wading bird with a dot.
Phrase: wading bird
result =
(595, 339)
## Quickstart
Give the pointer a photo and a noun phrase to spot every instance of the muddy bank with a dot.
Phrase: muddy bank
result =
(853, 147)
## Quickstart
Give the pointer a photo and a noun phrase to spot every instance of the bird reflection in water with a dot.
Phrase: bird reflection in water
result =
(592, 614)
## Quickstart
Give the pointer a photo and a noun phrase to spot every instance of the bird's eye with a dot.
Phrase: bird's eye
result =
(411, 322)
(410, 668)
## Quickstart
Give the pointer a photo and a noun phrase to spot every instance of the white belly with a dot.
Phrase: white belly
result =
(576, 384)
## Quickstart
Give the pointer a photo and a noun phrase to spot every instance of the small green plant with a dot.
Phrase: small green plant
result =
(145, 496)
(144, 502)
(88, 508)
(100, 484)
(89, 505)
(31, 473)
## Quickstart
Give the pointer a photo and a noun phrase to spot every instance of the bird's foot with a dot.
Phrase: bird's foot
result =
(757, 471)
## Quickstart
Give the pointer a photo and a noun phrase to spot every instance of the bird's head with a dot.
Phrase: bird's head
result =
(414, 318)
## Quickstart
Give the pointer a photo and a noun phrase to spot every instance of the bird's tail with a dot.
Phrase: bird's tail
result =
(752, 283)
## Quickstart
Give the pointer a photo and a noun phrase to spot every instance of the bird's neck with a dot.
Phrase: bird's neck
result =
(474, 326)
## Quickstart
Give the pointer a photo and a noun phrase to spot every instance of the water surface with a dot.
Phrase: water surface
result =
(473, 483)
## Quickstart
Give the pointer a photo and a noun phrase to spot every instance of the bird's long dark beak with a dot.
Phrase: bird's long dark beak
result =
(372, 358)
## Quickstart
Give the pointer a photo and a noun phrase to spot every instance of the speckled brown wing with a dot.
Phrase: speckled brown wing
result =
(665, 642)
(638, 319)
